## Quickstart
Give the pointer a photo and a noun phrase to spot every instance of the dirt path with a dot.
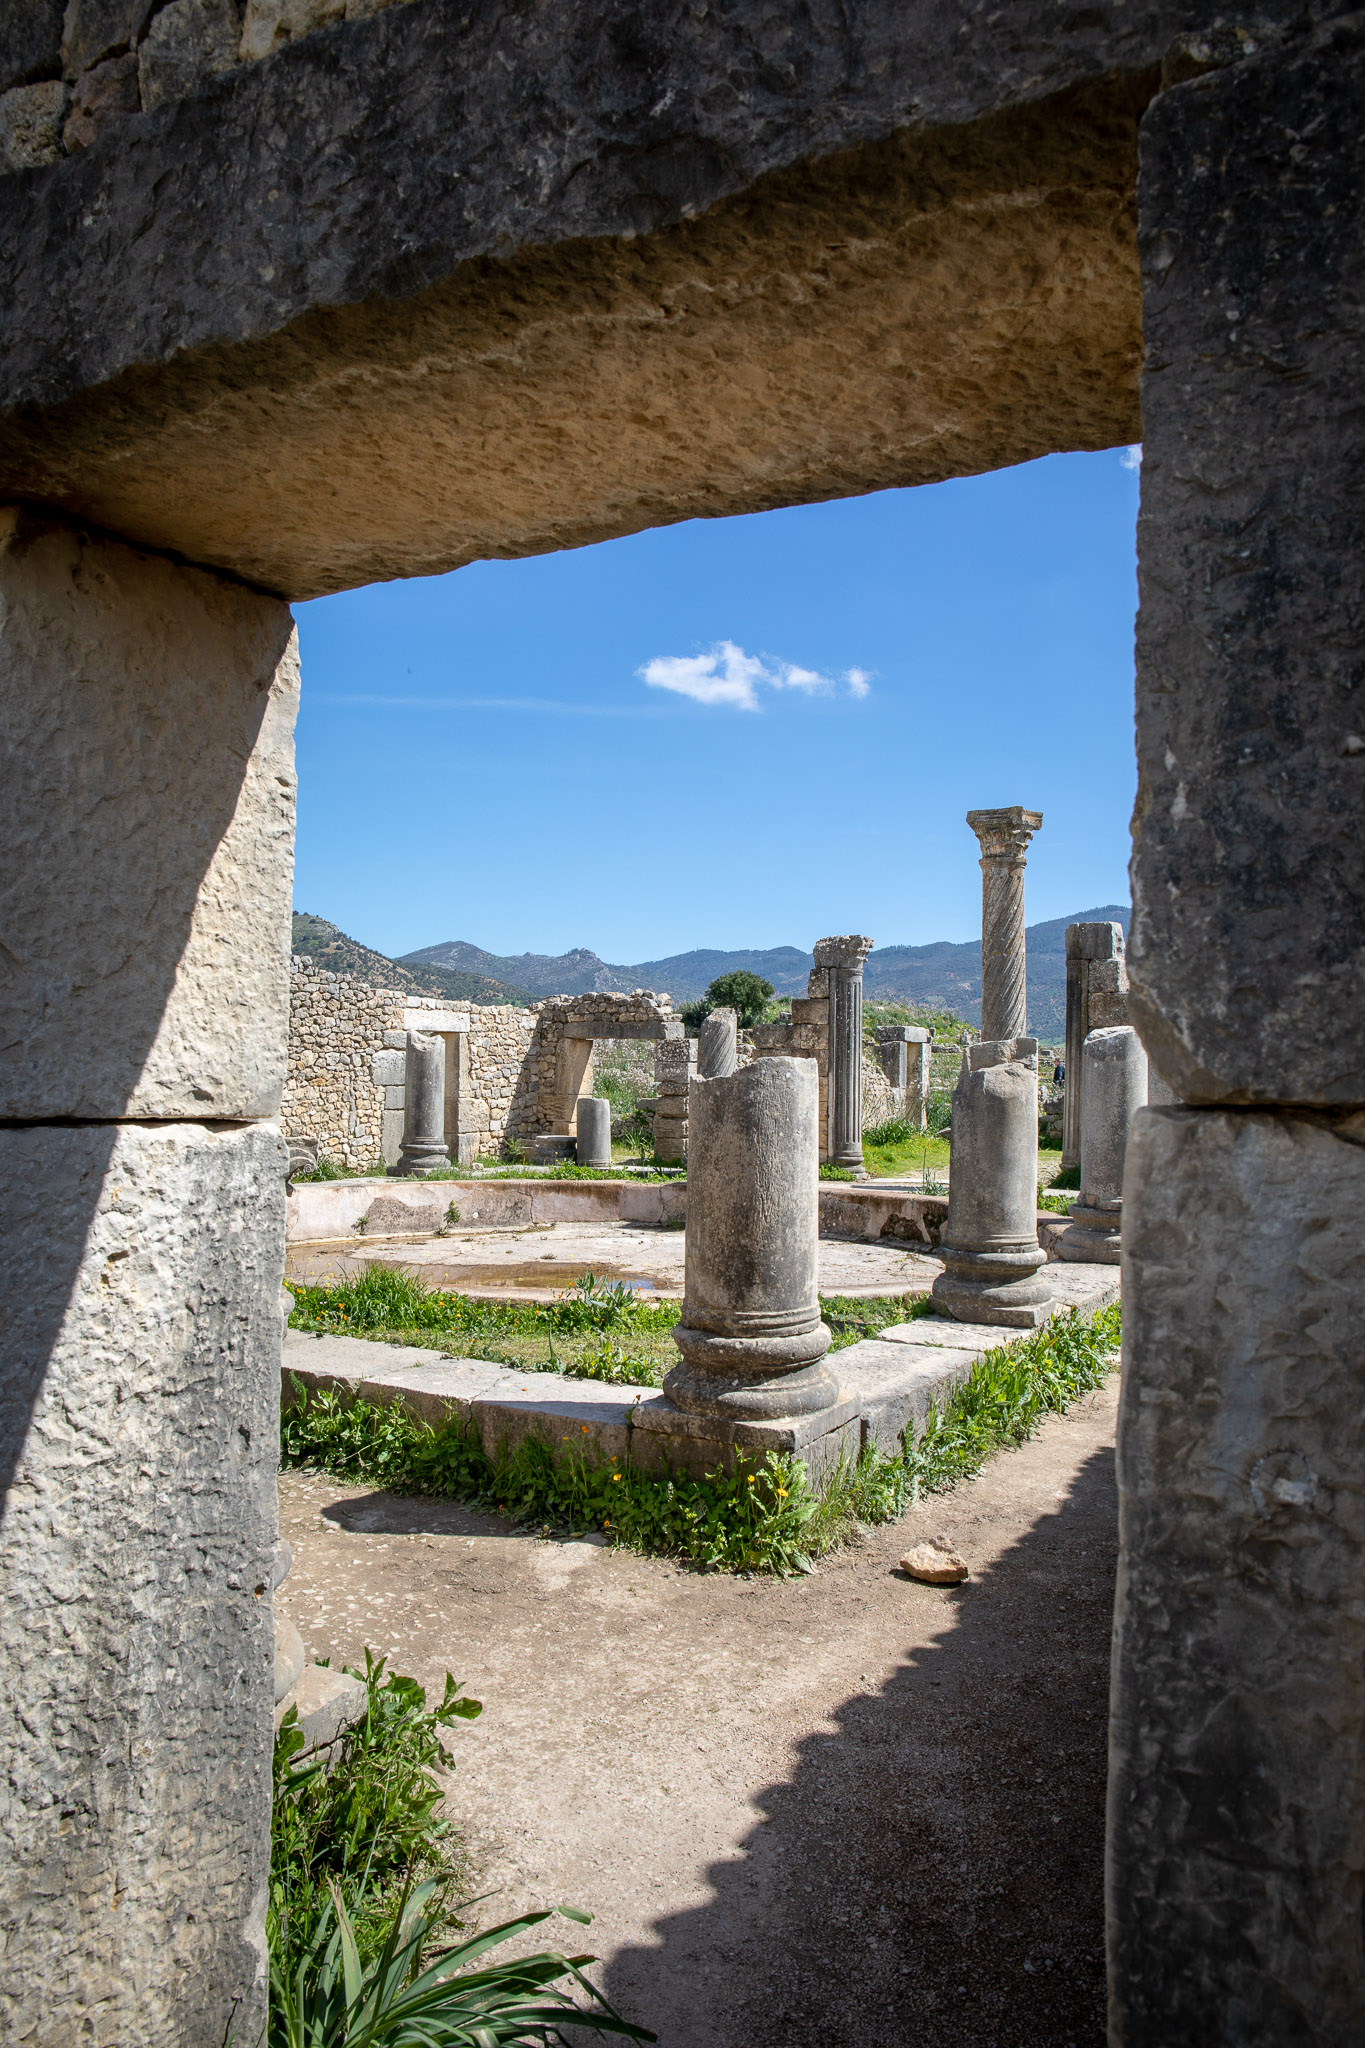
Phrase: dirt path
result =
(842, 1810)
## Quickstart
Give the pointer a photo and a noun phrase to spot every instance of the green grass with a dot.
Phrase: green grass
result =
(757, 1518)
(600, 1331)
(918, 1153)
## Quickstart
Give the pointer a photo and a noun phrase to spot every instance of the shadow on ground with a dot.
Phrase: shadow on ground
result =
(930, 1875)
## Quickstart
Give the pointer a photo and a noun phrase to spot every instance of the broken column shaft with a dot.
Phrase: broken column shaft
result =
(751, 1338)
(990, 1246)
(1113, 1089)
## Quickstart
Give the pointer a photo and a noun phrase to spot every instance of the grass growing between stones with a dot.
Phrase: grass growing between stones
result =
(759, 1518)
(603, 1330)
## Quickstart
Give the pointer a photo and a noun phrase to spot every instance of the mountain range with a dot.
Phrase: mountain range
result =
(944, 975)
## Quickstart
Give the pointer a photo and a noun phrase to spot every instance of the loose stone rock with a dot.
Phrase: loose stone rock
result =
(935, 1563)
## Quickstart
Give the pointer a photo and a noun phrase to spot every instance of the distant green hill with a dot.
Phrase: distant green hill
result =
(332, 949)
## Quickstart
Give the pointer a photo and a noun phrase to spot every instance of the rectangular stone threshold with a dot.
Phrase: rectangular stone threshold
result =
(886, 1382)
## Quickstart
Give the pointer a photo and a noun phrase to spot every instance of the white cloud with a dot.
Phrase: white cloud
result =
(1131, 458)
(727, 675)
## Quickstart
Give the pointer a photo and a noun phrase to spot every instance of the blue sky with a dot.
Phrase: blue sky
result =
(738, 732)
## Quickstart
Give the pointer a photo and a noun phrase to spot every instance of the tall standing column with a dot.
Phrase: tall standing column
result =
(147, 761)
(1004, 837)
(844, 958)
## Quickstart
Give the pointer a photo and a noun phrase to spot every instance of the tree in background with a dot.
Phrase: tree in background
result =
(744, 993)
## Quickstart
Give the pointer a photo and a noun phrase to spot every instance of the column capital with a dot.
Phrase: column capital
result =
(1005, 834)
(848, 951)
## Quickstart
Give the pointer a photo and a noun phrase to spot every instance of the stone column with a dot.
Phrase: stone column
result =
(718, 1046)
(146, 854)
(424, 1105)
(675, 1063)
(1237, 1770)
(905, 1051)
(1114, 1088)
(751, 1338)
(1089, 947)
(990, 1248)
(844, 958)
(1004, 837)
(593, 1146)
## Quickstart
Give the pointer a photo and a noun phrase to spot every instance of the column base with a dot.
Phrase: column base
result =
(1004, 1288)
(737, 1378)
(1092, 1236)
(416, 1160)
(669, 1439)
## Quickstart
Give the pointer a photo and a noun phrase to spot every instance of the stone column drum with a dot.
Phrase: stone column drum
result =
(1090, 948)
(844, 958)
(1113, 1089)
(751, 1338)
(675, 1063)
(990, 1246)
(424, 1106)
(1004, 837)
(904, 1052)
(718, 1046)
(594, 1131)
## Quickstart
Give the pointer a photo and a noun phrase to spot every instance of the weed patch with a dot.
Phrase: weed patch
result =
(366, 1820)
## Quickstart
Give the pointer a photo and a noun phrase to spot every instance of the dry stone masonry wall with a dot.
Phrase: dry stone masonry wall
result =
(510, 1073)
(72, 69)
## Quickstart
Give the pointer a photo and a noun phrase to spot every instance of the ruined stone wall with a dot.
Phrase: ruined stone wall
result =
(72, 69)
(345, 1073)
(507, 1077)
(553, 1081)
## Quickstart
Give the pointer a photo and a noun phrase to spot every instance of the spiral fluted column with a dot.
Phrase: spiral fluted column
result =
(1004, 837)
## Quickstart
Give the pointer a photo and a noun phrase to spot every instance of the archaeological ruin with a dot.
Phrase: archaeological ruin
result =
(296, 297)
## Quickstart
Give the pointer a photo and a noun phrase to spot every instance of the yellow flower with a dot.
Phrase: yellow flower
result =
(751, 1479)
(616, 1479)
(782, 1493)
(585, 1428)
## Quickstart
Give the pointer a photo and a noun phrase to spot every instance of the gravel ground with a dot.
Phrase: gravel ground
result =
(842, 1810)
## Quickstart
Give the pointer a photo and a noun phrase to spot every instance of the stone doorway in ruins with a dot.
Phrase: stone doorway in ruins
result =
(430, 286)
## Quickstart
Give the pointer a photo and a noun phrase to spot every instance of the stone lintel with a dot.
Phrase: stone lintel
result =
(610, 1027)
(436, 1021)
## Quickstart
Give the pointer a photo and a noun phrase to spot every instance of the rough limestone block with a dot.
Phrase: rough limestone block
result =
(269, 24)
(30, 40)
(188, 42)
(1237, 1783)
(100, 97)
(146, 841)
(139, 1368)
(1247, 950)
(93, 29)
(31, 125)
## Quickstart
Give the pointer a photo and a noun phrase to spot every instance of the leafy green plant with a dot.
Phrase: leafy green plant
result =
(361, 1824)
(895, 1130)
(334, 1998)
(1056, 1205)
(1068, 1177)
(828, 1171)
(745, 993)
